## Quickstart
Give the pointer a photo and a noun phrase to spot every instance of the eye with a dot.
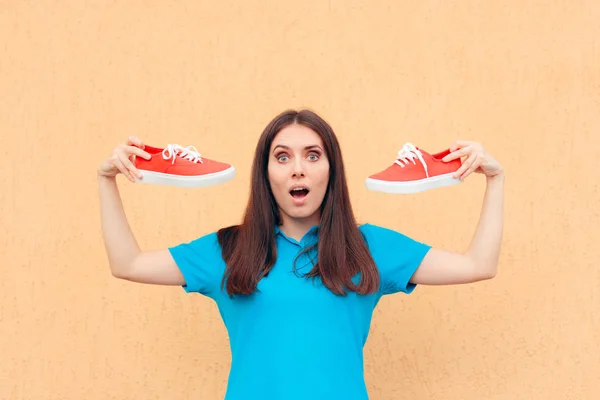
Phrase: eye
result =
(282, 157)
(314, 155)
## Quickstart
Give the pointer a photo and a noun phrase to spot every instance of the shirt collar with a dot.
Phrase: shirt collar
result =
(312, 228)
(312, 232)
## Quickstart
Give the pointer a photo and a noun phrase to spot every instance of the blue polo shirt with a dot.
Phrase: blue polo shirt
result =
(295, 339)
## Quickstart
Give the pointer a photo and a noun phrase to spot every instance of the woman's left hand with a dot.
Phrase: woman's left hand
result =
(476, 159)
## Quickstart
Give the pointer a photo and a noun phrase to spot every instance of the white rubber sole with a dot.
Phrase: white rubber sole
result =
(158, 178)
(412, 186)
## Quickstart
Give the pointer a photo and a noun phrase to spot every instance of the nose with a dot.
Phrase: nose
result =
(298, 169)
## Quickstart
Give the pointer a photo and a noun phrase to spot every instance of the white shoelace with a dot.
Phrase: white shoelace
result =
(408, 153)
(189, 153)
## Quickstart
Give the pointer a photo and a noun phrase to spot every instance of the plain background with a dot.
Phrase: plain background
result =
(76, 78)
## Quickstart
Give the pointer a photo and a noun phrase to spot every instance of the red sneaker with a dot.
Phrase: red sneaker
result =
(181, 166)
(409, 176)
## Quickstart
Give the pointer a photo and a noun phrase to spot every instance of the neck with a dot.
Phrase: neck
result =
(296, 228)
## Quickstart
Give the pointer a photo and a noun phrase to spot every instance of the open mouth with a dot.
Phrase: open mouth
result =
(299, 192)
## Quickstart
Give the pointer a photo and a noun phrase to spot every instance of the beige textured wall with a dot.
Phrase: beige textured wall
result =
(76, 78)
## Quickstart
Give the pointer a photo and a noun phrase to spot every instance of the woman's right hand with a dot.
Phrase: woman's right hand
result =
(123, 158)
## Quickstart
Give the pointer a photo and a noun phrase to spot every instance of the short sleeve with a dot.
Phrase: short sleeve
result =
(396, 255)
(201, 264)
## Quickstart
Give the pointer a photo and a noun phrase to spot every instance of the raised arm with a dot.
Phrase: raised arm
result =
(125, 258)
(480, 260)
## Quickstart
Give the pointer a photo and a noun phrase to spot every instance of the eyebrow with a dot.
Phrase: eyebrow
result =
(313, 146)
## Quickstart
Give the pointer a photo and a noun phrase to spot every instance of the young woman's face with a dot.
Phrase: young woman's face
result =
(297, 160)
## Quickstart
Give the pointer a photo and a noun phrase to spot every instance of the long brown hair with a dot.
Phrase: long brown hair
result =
(250, 250)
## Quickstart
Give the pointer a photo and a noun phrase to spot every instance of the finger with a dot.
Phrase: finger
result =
(117, 163)
(136, 141)
(459, 144)
(132, 150)
(465, 151)
(454, 147)
(474, 165)
(130, 167)
(459, 172)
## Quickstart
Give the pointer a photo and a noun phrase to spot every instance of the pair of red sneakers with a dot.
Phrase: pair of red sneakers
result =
(414, 170)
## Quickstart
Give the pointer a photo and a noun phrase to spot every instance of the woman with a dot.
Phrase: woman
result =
(297, 323)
